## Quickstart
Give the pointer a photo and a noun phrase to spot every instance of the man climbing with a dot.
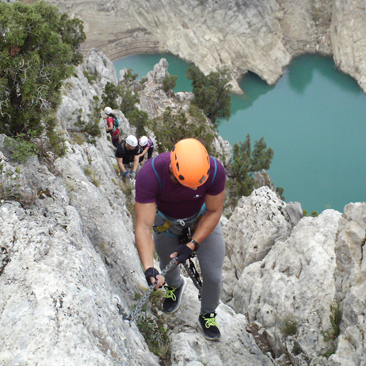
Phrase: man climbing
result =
(111, 127)
(147, 146)
(188, 189)
(126, 154)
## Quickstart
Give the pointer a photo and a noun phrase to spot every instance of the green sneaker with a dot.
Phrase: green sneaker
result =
(173, 297)
(209, 326)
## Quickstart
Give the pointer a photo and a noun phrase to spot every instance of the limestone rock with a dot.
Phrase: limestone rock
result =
(68, 256)
(56, 287)
(257, 223)
(350, 279)
(78, 93)
(294, 283)
(258, 36)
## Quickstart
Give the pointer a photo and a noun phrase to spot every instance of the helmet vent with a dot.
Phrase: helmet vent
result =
(181, 177)
(177, 165)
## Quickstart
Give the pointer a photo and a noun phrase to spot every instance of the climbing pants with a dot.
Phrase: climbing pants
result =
(210, 256)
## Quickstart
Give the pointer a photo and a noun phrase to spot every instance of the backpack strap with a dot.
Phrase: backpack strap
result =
(153, 166)
(213, 179)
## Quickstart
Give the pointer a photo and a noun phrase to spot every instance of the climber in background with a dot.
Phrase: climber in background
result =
(127, 155)
(147, 146)
(112, 125)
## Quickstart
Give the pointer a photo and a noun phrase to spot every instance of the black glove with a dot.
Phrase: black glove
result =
(151, 272)
(184, 252)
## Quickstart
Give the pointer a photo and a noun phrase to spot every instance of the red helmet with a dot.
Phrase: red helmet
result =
(190, 163)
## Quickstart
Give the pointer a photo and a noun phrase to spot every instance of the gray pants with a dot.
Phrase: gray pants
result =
(210, 256)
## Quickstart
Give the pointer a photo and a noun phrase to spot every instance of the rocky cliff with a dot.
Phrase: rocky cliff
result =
(257, 36)
(68, 259)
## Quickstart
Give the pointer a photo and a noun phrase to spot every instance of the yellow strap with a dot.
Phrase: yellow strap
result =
(165, 227)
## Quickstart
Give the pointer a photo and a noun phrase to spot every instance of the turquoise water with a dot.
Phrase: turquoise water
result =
(314, 119)
(142, 64)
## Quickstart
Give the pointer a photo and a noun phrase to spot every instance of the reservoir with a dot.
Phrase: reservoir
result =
(314, 119)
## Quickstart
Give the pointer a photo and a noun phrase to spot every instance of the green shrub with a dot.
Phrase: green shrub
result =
(152, 327)
(22, 149)
(169, 83)
(38, 52)
(296, 350)
(88, 171)
(335, 321)
(12, 189)
(288, 326)
(176, 126)
(331, 335)
(313, 213)
(91, 78)
(245, 162)
(130, 75)
(212, 92)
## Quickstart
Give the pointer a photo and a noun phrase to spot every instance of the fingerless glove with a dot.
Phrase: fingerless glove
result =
(151, 272)
(184, 252)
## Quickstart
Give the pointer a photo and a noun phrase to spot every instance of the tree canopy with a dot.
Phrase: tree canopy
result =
(177, 126)
(212, 92)
(38, 51)
(247, 161)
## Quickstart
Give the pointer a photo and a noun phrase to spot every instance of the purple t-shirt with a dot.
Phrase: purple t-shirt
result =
(174, 199)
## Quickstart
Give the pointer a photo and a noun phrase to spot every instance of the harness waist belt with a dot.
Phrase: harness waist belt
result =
(193, 220)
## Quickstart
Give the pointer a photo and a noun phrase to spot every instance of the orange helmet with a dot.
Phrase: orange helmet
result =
(190, 162)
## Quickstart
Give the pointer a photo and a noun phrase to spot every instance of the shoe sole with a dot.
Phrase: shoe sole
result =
(180, 300)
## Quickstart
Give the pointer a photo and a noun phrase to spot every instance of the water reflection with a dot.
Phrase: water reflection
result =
(301, 71)
(253, 87)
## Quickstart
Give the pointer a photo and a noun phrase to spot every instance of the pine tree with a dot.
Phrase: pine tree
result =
(38, 51)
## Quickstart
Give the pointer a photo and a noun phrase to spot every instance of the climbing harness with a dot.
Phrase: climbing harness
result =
(192, 221)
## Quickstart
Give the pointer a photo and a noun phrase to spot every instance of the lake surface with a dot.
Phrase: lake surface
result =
(314, 119)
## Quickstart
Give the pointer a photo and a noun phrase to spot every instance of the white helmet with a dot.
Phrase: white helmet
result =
(143, 141)
(108, 110)
(131, 140)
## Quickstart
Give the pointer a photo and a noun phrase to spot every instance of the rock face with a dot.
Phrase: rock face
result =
(350, 282)
(257, 36)
(317, 265)
(67, 257)
(256, 224)
(65, 261)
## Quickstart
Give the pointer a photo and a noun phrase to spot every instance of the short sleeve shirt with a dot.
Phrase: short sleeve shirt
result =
(110, 120)
(124, 153)
(154, 185)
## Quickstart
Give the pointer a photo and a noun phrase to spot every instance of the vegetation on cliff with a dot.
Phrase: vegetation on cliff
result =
(38, 51)
(212, 92)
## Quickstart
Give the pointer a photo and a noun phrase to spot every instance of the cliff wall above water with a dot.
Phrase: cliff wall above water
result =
(257, 36)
